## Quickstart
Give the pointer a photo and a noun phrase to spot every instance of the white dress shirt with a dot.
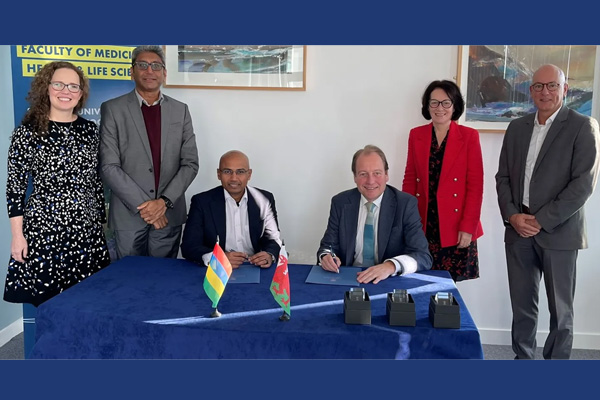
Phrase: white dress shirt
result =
(404, 264)
(537, 140)
(237, 227)
(237, 224)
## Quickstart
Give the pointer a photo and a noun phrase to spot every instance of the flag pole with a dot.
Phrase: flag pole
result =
(284, 317)
(216, 313)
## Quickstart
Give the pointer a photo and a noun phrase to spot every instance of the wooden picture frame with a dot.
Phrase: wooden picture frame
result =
(252, 67)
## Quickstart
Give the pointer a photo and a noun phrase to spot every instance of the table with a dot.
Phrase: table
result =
(156, 308)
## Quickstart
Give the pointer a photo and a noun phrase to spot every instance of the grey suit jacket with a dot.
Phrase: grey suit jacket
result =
(399, 230)
(126, 159)
(564, 177)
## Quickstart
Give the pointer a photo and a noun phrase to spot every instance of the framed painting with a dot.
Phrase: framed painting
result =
(256, 67)
(495, 81)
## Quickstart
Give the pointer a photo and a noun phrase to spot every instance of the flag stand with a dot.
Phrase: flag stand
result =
(284, 317)
(215, 313)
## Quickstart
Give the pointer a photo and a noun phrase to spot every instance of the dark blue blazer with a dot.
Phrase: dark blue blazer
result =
(207, 219)
(399, 229)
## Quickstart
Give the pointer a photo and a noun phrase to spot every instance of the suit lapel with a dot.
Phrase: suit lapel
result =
(138, 120)
(386, 217)
(165, 122)
(350, 218)
(522, 148)
(454, 144)
(557, 125)
(254, 222)
(217, 207)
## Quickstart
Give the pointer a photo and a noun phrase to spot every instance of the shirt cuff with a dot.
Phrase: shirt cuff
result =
(323, 254)
(206, 258)
(404, 264)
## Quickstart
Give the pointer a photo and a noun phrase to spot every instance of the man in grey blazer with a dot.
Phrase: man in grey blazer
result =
(148, 159)
(548, 169)
(398, 243)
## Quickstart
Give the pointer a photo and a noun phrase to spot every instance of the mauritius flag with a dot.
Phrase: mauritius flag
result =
(217, 275)
(280, 286)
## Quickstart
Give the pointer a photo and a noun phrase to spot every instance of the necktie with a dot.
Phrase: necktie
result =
(369, 237)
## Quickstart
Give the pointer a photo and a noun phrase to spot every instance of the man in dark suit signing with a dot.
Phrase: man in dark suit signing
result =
(148, 159)
(547, 171)
(243, 218)
(374, 225)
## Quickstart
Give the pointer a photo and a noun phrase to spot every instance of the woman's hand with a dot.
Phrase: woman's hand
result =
(464, 239)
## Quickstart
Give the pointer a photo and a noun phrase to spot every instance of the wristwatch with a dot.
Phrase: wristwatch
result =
(168, 202)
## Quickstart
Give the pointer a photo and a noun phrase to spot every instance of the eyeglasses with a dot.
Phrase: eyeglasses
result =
(551, 86)
(436, 103)
(156, 66)
(230, 172)
(58, 86)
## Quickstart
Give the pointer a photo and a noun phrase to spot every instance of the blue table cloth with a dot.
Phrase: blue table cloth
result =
(156, 308)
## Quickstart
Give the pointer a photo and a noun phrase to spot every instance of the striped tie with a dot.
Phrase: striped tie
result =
(369, 237)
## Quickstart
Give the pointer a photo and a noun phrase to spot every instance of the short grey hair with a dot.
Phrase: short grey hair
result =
(147, 49)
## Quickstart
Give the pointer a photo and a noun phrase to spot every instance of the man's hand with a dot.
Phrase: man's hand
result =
(526, 225)
(376, 273)
(161, 222)
(262, 259)
(329, 263)
(236, 258)
(533, 222)
(152, 210)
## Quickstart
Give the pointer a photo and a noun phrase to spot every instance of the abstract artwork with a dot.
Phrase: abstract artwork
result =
(266, 67)
(495, 80)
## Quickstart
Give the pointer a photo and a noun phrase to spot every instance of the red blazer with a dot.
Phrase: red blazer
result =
(460, 190)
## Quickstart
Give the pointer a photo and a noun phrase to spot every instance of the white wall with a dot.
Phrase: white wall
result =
(300, 146)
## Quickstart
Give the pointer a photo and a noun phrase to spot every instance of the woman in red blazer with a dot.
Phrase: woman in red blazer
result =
(444, 170)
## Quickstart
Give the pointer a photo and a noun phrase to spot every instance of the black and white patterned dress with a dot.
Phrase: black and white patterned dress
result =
(63, 215)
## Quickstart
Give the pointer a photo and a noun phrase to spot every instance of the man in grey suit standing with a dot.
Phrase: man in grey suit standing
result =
(374, 225)
(548, 169)
(148, 159)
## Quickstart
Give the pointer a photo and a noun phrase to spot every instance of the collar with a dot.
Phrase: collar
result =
(228, 196)
(549, 120)
(377, 201)
(142, 101)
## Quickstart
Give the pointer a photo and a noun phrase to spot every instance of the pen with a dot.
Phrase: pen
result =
(234, 251)
(333, 256)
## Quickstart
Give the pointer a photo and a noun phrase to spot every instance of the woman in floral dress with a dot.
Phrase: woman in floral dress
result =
(444, 170)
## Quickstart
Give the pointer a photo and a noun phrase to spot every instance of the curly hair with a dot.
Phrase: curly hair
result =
(38, 113)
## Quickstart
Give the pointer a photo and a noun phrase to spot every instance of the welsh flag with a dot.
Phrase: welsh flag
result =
(280, 285)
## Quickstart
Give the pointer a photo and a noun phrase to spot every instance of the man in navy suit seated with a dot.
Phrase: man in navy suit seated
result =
(374, 225)
(244, 218)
